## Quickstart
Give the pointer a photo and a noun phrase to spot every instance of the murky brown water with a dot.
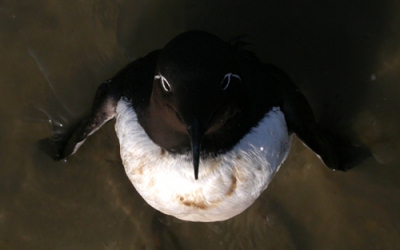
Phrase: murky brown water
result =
(344, 56)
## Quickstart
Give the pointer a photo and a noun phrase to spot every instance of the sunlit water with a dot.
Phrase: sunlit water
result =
(344, 56)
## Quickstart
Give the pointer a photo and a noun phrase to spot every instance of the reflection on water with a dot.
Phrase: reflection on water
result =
(344, 56)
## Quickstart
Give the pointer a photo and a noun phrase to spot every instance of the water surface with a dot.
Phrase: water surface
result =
(345, 57)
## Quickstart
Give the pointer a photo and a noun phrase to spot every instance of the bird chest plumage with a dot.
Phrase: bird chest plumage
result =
(227, 184)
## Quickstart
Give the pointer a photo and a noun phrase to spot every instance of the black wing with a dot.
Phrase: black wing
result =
(135, 78)
(335, 152)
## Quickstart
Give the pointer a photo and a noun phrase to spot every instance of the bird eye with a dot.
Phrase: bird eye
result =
(227, 80)
(164, 83)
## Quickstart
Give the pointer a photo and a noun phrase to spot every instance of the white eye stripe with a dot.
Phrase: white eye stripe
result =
(164, 83)
(227, 80)
(236, 76)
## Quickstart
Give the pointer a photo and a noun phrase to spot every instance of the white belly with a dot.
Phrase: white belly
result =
(227, 184)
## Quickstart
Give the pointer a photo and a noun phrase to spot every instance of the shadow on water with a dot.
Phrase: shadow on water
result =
(343, 55)
(328, 49)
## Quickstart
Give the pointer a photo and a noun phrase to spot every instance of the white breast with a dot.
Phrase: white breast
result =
(227, 185)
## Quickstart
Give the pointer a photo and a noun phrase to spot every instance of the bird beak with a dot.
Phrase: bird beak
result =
(196, 136)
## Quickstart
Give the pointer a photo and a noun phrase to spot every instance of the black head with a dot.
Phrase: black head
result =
(197, 86)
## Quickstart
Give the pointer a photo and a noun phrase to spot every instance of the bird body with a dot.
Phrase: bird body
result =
(203, 126)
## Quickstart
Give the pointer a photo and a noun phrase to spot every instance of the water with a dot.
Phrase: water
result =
(344, 56)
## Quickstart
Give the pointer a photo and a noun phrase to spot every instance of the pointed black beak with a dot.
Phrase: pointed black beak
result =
(196, 136)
